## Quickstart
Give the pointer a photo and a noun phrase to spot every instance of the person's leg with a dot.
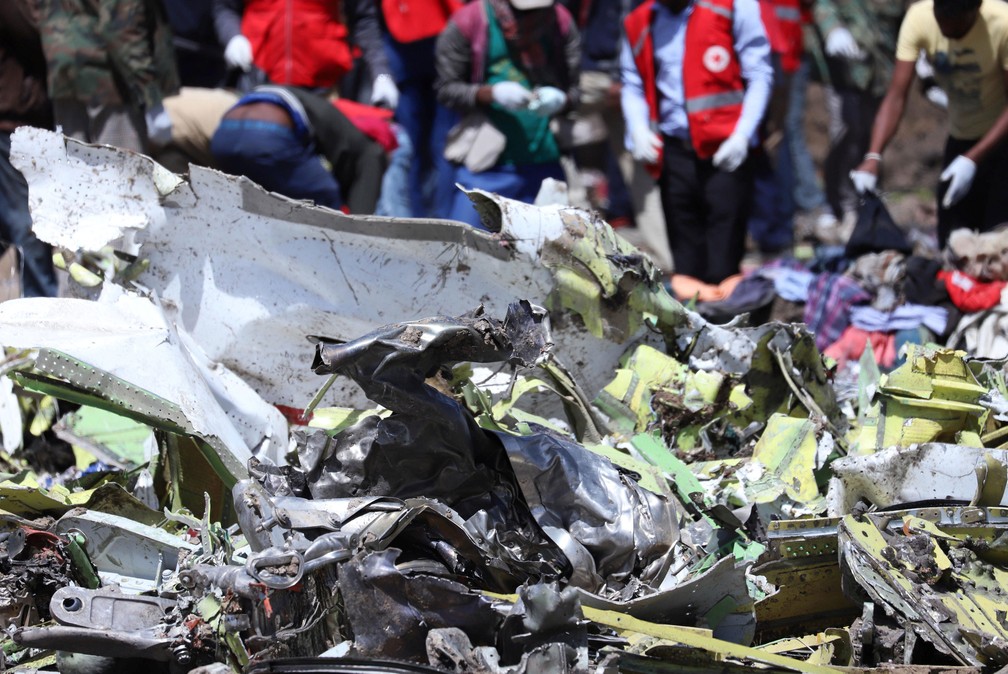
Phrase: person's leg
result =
(807, 192)
(38, 278)
(967, 212)
(769, 222)
(728, 197)
(530, 178)
(681, 197)
(442, 183)
(394, 201)
(990, 177)
(119, 125)
(71, 116)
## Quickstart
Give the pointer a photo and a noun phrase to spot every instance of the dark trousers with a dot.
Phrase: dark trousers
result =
(847, 147)
(38, 277)
(706, 210)
(985, 206)
(427, 122)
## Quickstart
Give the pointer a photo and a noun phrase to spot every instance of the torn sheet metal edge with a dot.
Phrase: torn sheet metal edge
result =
(919, 473)
(307, 271)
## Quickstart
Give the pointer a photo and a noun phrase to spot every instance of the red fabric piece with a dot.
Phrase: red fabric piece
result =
(413, 20)
(298, 42)
(970, 295)
(375, 123)
(853, 341)
(710, 69)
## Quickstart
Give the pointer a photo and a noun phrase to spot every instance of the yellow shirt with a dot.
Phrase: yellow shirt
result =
(970, 70)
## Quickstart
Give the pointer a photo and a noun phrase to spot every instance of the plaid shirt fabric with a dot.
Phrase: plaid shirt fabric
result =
(827, 312)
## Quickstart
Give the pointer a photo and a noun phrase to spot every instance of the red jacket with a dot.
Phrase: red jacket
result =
(712, 76)
(412, 20)
(783, 22)
(298, 42)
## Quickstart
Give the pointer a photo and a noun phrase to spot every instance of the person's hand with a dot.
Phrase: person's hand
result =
(646, 144)
(732, 152)
(159, 125)
(384, 92)
(510, 95)
(960, 174)
(864, 181)
(238, 53)
(547, 101)
(841, 44)
(937, 96)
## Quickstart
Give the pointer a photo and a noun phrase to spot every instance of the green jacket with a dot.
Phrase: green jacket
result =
(108, 52)
(875, 26)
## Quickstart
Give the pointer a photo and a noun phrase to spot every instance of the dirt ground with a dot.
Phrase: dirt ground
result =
(911, 163)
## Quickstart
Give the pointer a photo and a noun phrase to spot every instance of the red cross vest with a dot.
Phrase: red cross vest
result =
(712, 76)
(783, 22)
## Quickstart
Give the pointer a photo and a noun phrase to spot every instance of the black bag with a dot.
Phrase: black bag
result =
(875, 230)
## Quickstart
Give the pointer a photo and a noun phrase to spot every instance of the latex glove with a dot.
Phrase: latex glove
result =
(732, 152)
(864, 181)
(384, 93)
(547, 101)
(840, 43)
(960, 174)
(238, 53)
(937, 95)
(510, 95)
(159, 125)
(646, 144)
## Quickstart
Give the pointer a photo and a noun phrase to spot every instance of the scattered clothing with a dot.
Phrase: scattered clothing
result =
(969, 294)
(791, 284)
(830, 299)
(686, 288)
(852, 343)
(881, 274)
(983, 334)
(905, 317)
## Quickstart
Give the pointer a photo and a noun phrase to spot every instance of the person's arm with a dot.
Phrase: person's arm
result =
(365, 31)
(572, 56)
(995, 135)
(753, 50)
(453, 58)
(227, 15)
(635, 107)
(889, 115)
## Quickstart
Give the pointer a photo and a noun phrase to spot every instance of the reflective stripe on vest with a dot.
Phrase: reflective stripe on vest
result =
(711, 101)
(788, 13)
(721, 11)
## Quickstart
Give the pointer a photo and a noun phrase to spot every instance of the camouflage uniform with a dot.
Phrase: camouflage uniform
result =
(108, 56)
(856, 86)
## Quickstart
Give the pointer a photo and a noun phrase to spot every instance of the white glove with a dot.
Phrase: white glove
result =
(646, 144)
(937, 96)
(960, 175)
(864, 181)
(238, 53)
(547, 101)
(510, 95)
(384, 92)
(732, 152)
(159, 126)
(841, 43)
